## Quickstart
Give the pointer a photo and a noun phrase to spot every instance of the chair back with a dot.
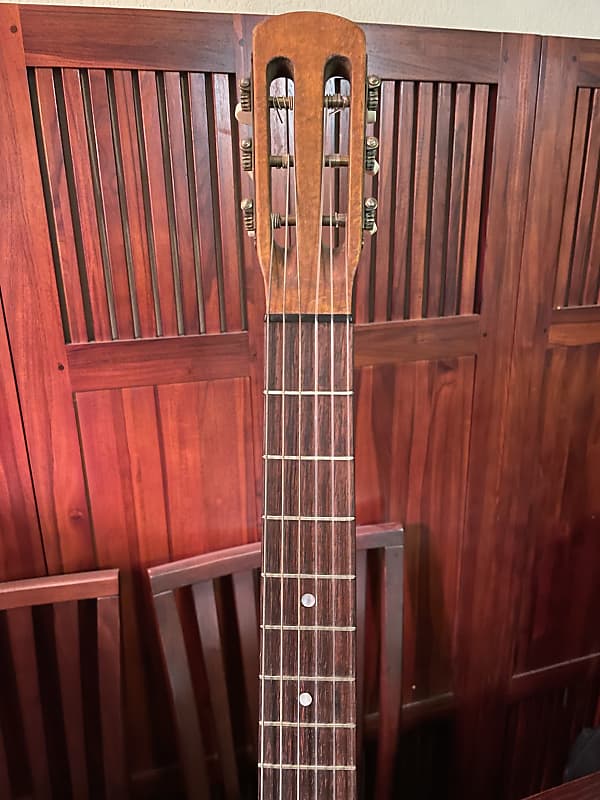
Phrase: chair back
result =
(207, 614)
(61, 733)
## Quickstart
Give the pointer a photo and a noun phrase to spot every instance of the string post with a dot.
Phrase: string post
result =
(369, 212)
(247, 207)
(246, 154)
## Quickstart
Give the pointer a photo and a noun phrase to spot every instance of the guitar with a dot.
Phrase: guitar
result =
(309, 76)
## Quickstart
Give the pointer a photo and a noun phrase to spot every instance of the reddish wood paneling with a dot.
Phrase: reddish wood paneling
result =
(32, 316)
(122, 186)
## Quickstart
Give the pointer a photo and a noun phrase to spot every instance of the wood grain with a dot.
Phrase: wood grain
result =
(37, 343)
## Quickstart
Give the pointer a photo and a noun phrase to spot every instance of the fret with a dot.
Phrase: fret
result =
(309, 393)
(271, 457)
(308, 575)
(287, 724)
(315, 767)
(296, 518)
(340, 628)
(332, 678)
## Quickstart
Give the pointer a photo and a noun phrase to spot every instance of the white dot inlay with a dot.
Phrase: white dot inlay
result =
(305, 699)
(308, 600)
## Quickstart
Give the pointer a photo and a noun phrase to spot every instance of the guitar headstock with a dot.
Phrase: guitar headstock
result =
(309, 266)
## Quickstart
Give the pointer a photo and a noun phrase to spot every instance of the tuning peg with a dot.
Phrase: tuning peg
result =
(371, 148)
(369, 211)
(247, 207)
(243, 110)
(246, 154)
(373, 86)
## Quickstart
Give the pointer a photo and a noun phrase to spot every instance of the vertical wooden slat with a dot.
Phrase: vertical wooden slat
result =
(109, 200)
(33, 321)
(150, 130)
(204, 202)
(404, 201)
(23, 651)
(114, 506)
(21, 549)
(144, 295)
(111, 709)
(457, 198)
(422, 201)
(591, 289)
(61, 219)
(212, 648)
(180, 177)
(569, 217)
(385, 198)
(191, 746)
(587, 202)
(85, 207)
(390, 674)
(361, 622)
(440, 201)
(228, 205)
(466, 304)
(66, 631)
(5, 789)
(247, 616)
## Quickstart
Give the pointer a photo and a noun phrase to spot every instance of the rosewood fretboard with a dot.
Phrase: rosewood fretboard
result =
(307, 687)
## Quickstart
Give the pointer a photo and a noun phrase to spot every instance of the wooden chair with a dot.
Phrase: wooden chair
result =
(582, 789)
(61, 730)
(207, 613)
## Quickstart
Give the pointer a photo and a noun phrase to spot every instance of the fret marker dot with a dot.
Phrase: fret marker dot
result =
(305, 699)
(308, 600)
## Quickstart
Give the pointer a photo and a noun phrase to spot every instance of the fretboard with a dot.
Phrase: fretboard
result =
(307, 683)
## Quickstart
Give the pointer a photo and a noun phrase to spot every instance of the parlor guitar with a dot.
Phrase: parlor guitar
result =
(309, 76)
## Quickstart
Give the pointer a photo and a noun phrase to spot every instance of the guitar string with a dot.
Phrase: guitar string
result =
(299, 467)
(331, 136)
(349, 421)
(282, 544)
(317, 363)
(265, 494)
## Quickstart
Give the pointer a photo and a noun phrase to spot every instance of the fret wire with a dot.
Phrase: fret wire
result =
(341, 628)
(289, 724)
(316, 767)
(325, 678)
(273, 457)
(308, 392)
(296, 518)
(309, 576)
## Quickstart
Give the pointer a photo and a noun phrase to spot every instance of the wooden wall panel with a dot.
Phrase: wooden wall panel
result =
(565, 520)
(412, 465)
(22, 552)
(134, 316)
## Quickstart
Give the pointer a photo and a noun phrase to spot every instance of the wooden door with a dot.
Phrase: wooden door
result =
(552, 456)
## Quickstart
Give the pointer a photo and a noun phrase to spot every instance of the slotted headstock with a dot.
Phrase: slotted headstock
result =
(305, 273)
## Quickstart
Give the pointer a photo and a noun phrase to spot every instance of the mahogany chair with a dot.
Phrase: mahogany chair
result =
(583, 789)
(207, 613)
(61, 732)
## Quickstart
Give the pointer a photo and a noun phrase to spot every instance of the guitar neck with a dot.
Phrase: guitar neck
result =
(307, 685)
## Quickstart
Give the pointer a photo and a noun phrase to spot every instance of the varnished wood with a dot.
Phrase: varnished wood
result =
(583, 789)
(305, 42)
(43, 620)
(153, 362)
(189, 453)
(205, 574)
